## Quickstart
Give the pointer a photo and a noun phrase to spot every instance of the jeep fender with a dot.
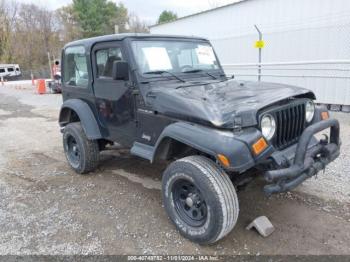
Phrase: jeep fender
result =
(213, 142)
(85, 114)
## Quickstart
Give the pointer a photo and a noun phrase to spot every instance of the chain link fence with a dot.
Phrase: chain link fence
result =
(39, 73)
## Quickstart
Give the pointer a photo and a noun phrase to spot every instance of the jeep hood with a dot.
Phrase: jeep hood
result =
(219, 103)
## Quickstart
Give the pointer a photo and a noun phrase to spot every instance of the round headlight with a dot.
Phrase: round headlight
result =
(268, 126)
(309, 111)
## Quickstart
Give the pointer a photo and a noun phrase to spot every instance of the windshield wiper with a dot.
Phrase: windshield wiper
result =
(160, 72)
(200, 70)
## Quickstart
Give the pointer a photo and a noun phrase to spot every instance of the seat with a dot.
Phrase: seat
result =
(109, 65)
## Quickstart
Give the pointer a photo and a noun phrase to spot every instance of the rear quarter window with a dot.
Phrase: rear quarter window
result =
(75, 67)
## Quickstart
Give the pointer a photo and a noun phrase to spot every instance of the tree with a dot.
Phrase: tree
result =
(167, 16)
(29, 31)
(120, 19)
(98, 17)
(27, 34)
(68, 27)
(8, 13)
(35, 36)
(136, 25)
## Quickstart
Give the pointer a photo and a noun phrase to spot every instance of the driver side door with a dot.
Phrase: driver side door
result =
(113, 98)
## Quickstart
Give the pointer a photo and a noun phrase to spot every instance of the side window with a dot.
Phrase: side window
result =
(75, 67)
(2, 70)
(105, 59)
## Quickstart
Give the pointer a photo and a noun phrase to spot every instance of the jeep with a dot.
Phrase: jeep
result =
(167, 98)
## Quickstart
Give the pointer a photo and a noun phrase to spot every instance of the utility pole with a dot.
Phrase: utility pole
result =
(259, 44)
(50, 65)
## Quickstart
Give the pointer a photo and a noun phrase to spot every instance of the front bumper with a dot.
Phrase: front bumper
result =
(307, 161)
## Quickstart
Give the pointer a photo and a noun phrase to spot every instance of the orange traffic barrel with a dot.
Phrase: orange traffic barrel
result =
(41, 86)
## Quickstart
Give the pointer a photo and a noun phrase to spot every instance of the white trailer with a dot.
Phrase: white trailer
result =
(307, 42)
(10, 71)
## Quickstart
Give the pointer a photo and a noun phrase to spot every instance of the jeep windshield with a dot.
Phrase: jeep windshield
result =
(174, 57)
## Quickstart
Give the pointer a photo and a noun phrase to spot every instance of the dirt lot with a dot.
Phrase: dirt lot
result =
(47, 209)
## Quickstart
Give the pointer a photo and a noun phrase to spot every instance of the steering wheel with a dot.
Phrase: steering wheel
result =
(184, 67)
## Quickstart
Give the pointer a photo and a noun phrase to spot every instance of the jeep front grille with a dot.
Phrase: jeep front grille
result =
(290, 123)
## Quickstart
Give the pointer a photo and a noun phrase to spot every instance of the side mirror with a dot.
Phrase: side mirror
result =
(120, 70)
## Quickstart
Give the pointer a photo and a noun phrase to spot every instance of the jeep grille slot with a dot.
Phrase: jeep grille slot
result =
(290, 123)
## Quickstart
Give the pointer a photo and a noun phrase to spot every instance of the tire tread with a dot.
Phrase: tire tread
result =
(91, 148)
(223, 188)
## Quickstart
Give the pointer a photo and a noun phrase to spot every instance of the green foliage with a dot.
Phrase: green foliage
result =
(166, 16)
(98, 17)
(28, 32)
(70, 29)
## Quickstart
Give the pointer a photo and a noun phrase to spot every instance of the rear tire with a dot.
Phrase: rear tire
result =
(82, 153)
(200, 199)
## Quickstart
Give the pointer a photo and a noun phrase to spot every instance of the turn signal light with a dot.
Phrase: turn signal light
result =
(259, 146)
(224, 160)
(324, 115)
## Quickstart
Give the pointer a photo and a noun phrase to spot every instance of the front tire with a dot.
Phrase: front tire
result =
(82, 153)
(200, 199)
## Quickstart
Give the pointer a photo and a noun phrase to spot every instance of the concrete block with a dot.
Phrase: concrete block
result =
(263, 225)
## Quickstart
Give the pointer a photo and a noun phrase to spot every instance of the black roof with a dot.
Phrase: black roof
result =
(88, 42)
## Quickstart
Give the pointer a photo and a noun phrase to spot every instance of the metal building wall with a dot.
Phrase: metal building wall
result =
(307, 42)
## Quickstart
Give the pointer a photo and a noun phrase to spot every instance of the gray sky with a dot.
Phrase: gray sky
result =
(149, 9)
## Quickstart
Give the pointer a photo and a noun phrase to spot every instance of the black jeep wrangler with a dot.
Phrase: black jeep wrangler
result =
(167, 98)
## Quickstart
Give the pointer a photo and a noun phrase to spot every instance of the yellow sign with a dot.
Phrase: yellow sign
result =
(259, 44)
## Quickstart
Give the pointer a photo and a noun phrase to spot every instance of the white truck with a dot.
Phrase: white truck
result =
(10, 71)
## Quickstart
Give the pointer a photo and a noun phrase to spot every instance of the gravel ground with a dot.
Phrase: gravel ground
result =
(335, 183)
(47, 209)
